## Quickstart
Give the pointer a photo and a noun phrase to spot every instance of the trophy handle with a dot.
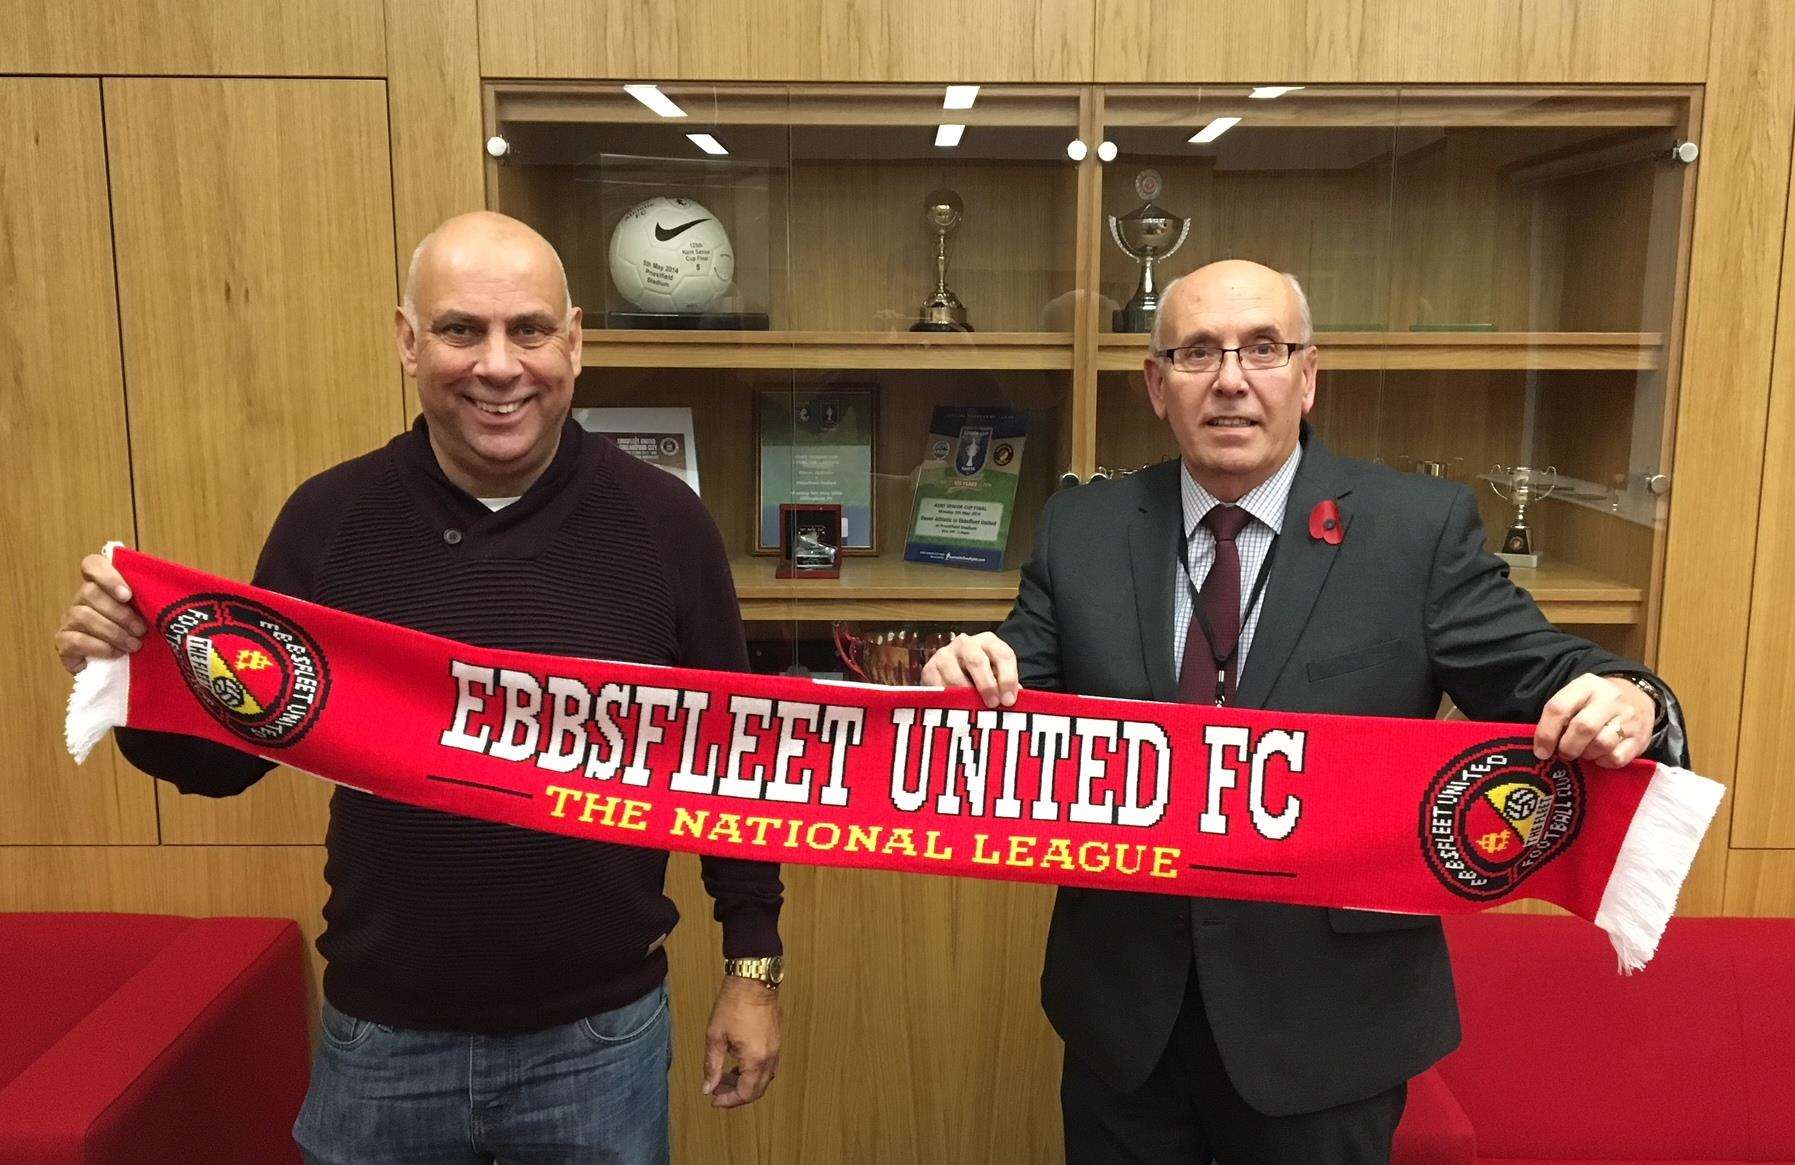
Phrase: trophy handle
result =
(1115, 232)
(1173, 249)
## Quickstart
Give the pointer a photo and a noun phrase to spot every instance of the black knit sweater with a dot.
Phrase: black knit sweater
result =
(440, 921)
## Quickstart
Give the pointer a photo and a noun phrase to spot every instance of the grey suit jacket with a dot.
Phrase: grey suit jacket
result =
(1310, 1008)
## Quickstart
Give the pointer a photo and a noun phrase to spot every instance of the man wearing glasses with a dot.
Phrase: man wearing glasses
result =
(1253, 1032)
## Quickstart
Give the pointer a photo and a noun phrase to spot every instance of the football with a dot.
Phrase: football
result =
(671, 255)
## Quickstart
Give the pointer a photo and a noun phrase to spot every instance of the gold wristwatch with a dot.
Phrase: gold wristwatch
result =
(769, 969)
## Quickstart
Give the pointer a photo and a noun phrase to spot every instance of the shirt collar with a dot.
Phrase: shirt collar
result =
(1264, 501)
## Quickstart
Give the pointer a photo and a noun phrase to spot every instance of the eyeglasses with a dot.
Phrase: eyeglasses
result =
(1259, 356)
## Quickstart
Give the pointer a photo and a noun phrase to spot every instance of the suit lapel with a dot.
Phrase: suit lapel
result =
(1153, 554)
(1299, 570)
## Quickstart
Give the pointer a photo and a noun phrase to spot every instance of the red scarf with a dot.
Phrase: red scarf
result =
(1412, 816)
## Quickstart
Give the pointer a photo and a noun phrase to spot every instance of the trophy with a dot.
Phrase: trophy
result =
(809, 541)
(1521, 486)
(894, 656)
(1145, 235)
(942, 311)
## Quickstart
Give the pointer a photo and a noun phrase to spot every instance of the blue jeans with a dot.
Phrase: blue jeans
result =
(592, 1090)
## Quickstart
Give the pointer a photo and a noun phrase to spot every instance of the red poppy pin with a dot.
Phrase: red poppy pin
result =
(1324, 522)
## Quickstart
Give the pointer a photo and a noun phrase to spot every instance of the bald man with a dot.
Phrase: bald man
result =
(1247, 1032)
(494, 993)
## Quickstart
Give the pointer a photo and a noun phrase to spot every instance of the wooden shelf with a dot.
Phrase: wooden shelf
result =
(591, 103)
(878, 588)
(1571, 595)
(647, 348)
(1408, 107)
(1446, 351)
(892, 589)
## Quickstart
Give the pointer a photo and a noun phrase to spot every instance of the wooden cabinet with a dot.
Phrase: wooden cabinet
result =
(1496, 277)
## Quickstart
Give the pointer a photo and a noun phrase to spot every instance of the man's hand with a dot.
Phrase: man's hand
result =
(744, 1025)
(1596, 718)
(98, 624)
(981, 661)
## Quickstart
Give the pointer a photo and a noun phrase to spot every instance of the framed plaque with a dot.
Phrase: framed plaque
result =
(660, 436)
(809, 541)
(814, 447)
(966, 487)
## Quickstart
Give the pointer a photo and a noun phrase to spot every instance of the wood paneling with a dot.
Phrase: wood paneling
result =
(1550, 40)
(1763, 788)
(913, 1031)
(215, 38)
(433, 101)
(1259, 41)
(1723, 404)
(1276, 41)
(805, 40)
(256, 283)
(1760, 883)
(62, 419)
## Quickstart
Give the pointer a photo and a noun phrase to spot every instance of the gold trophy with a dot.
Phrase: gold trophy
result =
(889, 655)
(1521, 486)
(942, 311)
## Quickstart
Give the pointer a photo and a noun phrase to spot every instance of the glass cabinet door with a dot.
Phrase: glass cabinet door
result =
(1496, 282)
(860, 301)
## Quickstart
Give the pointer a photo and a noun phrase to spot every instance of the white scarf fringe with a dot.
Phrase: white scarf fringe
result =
(100, 700)
(1654, 859)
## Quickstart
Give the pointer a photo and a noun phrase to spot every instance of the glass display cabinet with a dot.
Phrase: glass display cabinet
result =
(1496, 277)
(889, 320)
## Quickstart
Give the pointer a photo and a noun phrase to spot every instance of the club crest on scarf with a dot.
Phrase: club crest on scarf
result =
(1496, 814)
(258, 673)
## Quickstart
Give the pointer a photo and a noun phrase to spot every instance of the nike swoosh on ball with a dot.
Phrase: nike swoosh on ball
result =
(663, 234)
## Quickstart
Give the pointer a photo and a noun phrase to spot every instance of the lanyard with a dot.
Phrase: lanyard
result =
(1197, 613)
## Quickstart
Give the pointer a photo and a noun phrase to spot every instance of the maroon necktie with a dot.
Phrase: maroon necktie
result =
(1211, 670)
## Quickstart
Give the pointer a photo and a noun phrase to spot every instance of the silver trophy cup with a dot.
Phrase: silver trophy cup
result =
(1148, 234)
(1521, 486)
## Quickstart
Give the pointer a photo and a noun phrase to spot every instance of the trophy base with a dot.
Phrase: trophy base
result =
(795, 571)
(739, 321)
(1530, 561)
(939, 326)
(1132, 318)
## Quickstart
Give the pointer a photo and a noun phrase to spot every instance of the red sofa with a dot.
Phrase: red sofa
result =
(1566, 1061)
(133, 1037)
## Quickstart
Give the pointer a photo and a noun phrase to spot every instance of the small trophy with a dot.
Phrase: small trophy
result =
(890, 655)
(1145, 235)
(942, 311)
(809, 541)
(1520, 486)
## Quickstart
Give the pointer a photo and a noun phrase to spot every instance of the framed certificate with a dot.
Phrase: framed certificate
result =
(662, 437)
(815, 448)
